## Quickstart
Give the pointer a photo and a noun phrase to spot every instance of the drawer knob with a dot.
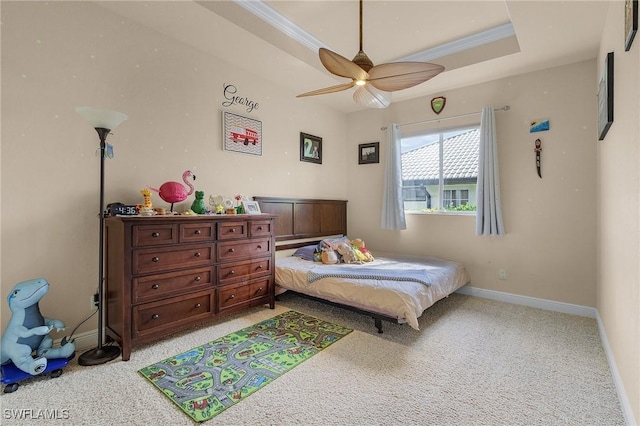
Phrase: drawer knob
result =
(232, 230)
(260, 290)
(155, 234)
(259, 228)
(155, 286)
(259, 246)
(232, 272)
(232, 296)
(232, 250)
(155, 259)
(197, 254)
(198, 278)
(198, 232)
(259, 266)
(197, 305)
(155, 316)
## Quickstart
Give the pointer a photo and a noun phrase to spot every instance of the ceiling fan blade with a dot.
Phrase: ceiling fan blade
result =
(332, 89)
(402, 75)
(339, 65)
(371, 97)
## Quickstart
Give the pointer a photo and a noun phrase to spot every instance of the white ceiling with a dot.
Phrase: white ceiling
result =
(547, 34)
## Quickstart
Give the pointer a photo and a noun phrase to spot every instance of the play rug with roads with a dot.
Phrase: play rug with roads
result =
(206, 380)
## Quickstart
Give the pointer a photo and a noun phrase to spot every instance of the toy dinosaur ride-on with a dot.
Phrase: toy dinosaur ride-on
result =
(26, 349)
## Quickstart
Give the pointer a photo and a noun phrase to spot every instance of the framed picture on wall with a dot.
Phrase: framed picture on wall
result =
(310, 148)
(605, 97)
(241, 134)
(630, 22)
(369, 153)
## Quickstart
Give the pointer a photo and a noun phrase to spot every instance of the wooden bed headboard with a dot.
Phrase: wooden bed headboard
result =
(305, 218)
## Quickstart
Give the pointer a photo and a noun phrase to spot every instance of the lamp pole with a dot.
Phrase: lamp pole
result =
(100, 354)
(103, 122)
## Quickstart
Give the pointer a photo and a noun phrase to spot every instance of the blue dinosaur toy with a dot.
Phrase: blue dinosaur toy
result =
(27, 330)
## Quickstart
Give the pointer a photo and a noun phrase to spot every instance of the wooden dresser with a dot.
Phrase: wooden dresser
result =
(164, 274)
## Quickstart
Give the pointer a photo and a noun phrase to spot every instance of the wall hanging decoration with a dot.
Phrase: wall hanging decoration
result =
(437, 104)
(229, 91)
(630, 22)
(539, 126)
(310, 148)
(369, 153)
(538, 150)
(241, 134)
(605, 97)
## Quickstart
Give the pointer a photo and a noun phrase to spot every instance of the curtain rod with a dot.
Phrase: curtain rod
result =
(504, 108)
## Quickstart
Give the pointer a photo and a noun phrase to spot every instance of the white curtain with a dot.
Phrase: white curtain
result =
(489, 210)
(392, 205)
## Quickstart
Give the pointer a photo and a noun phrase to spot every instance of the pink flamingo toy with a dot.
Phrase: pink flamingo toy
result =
(174, 192)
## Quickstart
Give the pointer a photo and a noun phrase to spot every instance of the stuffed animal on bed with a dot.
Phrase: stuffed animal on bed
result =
(28, 330)
(345, 249)
(329, 256)
(366, 255)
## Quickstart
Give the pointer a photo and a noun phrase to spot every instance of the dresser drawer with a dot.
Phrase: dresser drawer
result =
(232, 295)
(151, 260)
(197, 232)
(153, 317)
(260, 228)
(243, 270)
(232, 230)
(151, 235)
(243, 249)
(161, 286)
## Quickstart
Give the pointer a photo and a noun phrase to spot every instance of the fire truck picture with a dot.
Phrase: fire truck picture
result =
(246, 136)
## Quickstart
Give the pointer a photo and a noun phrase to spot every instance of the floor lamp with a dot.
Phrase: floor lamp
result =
(103, 121)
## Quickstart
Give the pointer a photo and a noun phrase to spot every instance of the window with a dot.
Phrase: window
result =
(440, 170)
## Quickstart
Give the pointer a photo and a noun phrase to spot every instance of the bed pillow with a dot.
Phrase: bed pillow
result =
(307, 253)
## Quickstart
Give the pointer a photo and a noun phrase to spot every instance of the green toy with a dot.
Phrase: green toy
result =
(198, 204)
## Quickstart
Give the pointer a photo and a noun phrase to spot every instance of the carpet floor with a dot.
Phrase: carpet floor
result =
(473, 362)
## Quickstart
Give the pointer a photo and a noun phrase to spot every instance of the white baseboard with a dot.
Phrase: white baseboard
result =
(566, 308)
(532, 302)
(622, 395)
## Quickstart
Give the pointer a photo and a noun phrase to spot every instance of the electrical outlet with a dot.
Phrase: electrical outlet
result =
(502, 274)
(94, 302)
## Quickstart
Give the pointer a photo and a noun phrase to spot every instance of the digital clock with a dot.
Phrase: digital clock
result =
(122, 209)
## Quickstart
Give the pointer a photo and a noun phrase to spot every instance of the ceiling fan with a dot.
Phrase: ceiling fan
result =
(375, 83)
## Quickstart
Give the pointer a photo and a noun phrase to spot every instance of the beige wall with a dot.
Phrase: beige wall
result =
(549, 251)
(572, 236)
(58, 55)
(618, 188)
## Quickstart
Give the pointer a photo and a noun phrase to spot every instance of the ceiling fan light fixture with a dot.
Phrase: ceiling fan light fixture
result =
(375, 83)
(370, 97)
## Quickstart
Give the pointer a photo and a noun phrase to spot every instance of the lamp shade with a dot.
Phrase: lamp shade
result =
(371, 97)
(100, 118)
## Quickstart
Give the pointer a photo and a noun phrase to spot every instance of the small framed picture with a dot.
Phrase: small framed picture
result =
(605, 97)
(310, 148)
(250, 207)
(630, 22)
(241, 134)
(369, 153)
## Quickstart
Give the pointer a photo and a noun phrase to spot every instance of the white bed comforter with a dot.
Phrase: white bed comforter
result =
(404, 300)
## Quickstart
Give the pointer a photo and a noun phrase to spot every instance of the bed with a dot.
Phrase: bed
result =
(396, 288)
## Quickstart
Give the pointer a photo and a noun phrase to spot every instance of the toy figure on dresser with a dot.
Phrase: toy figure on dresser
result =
(215, 204)
(147, 208)
(198, 204)
(27, 332)
(174, 192)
